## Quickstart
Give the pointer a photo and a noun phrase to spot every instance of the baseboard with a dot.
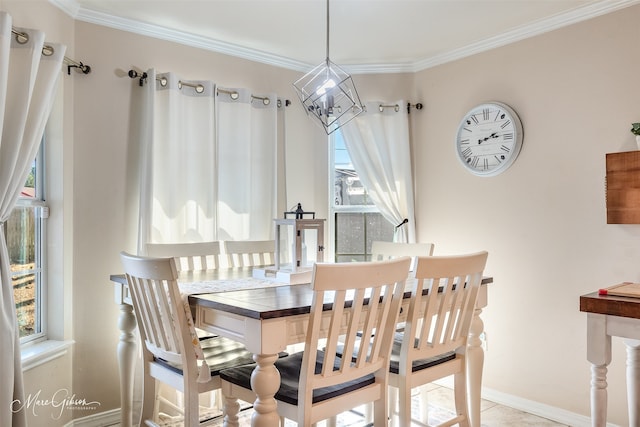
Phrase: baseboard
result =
(112, 417)
(535, 408)
(102, 419)
(542, 410)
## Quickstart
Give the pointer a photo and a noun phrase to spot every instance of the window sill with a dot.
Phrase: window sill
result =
(42, 352)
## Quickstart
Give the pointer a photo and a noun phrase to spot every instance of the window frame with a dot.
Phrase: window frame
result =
(57, 174)
(337, 209)
(38, 203)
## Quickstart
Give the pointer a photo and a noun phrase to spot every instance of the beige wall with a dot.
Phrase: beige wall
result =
(50, 381)
(543, 221)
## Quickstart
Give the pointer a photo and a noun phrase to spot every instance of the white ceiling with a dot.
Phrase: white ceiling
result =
(365, 36)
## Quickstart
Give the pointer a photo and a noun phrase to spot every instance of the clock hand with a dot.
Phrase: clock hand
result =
(493, 135)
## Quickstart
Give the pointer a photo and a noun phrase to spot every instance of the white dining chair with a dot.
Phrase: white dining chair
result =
(172, 352)
(434, 342)
(316, 384)
(387, 250)
(249, 253)
(188, 256)
(381, 250)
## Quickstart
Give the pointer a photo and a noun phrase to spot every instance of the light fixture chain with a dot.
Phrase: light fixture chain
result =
(327, 31)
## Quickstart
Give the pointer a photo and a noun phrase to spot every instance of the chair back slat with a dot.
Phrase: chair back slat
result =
(439, 319)
(373, 292)
(335, 331)
(354, 325)
(164, 312)
(249, 253)
(189, 256)
(145, 320)
(372, 325)
(156, 332)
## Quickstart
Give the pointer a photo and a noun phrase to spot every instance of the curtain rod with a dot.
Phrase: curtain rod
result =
(47, 50)
(396, 107)
(199, 88)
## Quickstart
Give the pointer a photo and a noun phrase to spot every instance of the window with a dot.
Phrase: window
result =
(355, 220)
(24, 231)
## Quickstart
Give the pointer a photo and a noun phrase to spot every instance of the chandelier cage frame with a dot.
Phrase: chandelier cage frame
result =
(328, 93)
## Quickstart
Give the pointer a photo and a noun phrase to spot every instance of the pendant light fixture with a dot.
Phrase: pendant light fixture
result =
(328, 94)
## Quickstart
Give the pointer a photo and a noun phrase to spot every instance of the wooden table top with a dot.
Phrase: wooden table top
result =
(257, 303)
(610, 305)
(270, 303)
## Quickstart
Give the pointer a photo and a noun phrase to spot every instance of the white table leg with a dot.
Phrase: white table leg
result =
(599, 354)
(265, 382)
(126, 361)
(475, 362)
(231, 410)
(633, 381)
(598, 395)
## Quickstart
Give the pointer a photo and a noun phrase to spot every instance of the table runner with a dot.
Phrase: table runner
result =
(225, 285)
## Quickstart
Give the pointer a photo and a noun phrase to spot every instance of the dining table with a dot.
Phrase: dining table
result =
(266, 316)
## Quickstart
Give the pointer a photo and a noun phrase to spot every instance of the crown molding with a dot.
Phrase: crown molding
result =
(546, 25)
(601, 7)
(72, 8)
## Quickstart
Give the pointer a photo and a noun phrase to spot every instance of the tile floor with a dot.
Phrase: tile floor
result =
(441, 406)
(492, 414)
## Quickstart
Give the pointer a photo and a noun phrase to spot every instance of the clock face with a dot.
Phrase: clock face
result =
(489, 139)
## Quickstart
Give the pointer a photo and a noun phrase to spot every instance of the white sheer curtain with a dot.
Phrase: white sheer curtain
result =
(378, 144)
(179, 178)
(208, 162)
(28, 79)
(247, 150)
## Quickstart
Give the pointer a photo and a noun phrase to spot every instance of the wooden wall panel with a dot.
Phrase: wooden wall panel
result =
(623, 187)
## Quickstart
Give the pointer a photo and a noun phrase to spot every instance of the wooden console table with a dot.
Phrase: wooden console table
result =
(609, 316)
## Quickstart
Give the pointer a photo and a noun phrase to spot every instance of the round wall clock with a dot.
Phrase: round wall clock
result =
(489, 139)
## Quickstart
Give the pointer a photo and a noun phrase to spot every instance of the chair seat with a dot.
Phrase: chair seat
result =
(220, 353)
(203, 335)
(416, 365)
(289, 368)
